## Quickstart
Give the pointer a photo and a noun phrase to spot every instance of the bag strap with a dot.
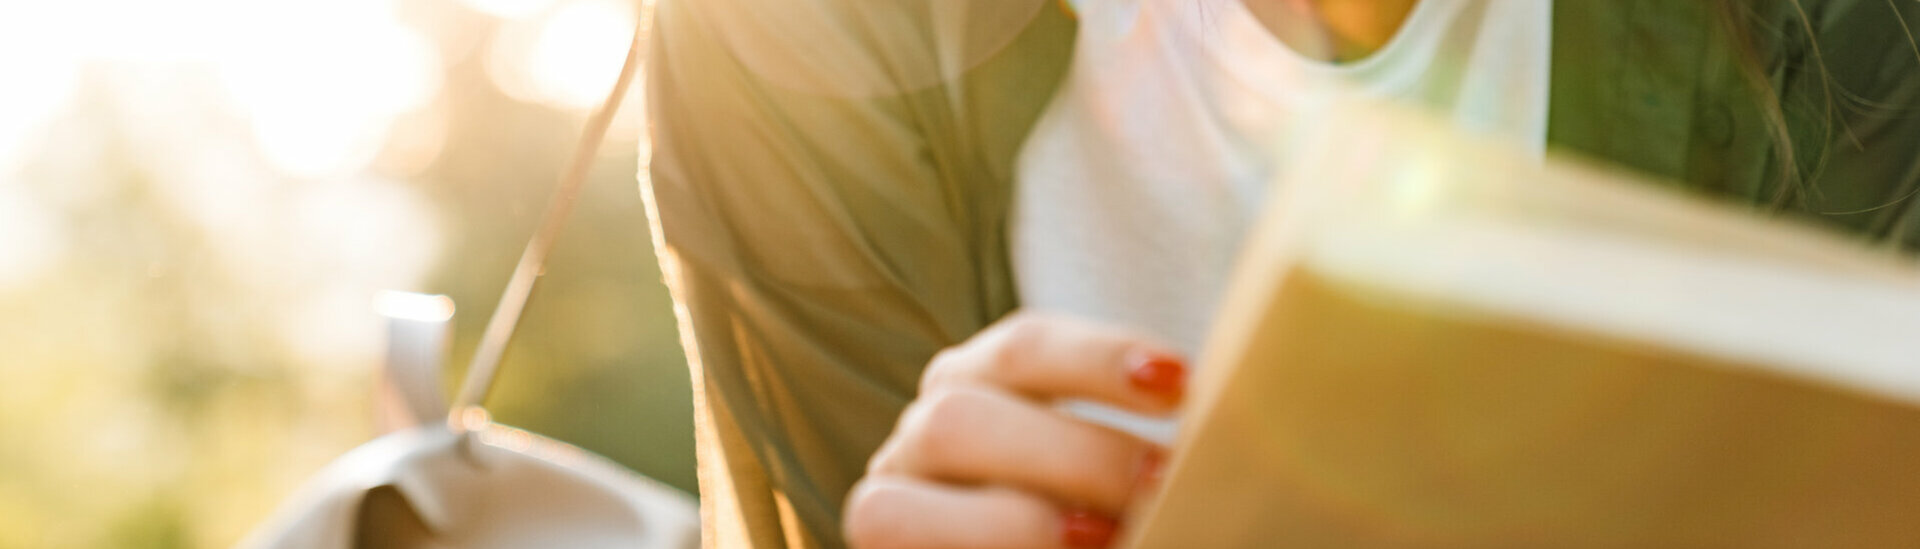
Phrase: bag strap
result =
(506, 315)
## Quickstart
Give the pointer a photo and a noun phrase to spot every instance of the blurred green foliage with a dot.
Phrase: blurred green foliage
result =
(160, 384)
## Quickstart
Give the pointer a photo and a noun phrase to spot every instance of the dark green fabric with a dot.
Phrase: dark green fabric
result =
(1658, 86)
(823, 246)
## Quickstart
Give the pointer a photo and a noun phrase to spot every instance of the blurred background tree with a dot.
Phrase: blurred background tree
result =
(199, 200)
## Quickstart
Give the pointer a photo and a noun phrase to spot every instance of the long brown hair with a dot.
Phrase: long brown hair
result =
(1764, 43)
(1740, 21)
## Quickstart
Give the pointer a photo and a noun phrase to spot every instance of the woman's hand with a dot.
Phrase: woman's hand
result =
(983, 459)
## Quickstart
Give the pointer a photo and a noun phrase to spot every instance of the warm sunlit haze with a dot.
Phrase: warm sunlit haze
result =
(202, 200)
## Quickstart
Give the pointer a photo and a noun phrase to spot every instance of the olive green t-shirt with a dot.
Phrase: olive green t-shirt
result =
(830, 184)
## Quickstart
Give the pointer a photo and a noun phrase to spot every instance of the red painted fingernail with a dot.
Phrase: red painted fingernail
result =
(1158, 373)
(1086, 529)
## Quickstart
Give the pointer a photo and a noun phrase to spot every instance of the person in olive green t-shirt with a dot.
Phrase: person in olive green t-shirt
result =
(831, 180)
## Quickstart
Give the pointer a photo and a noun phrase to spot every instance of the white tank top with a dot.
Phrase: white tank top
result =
(1137, 184)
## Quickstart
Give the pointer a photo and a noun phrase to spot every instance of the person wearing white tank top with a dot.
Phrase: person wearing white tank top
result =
(898, 234)
(1178, 171)
(1132, 195)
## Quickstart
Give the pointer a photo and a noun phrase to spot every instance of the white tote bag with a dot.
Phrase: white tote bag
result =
(488, 487)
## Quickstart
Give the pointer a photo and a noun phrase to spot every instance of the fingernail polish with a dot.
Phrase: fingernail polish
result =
(1086, 529)
(1158, 374)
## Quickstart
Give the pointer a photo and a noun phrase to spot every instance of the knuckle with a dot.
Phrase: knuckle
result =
(1022, 319)
(912, 423)
(939, 369)
(867, 522)
(1003, 361)
(1020, 334)
(946, 410)
(914, 417)
(940, 421)
(991, 354)
(887, 457)
(1025, 326)
(927, 431)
